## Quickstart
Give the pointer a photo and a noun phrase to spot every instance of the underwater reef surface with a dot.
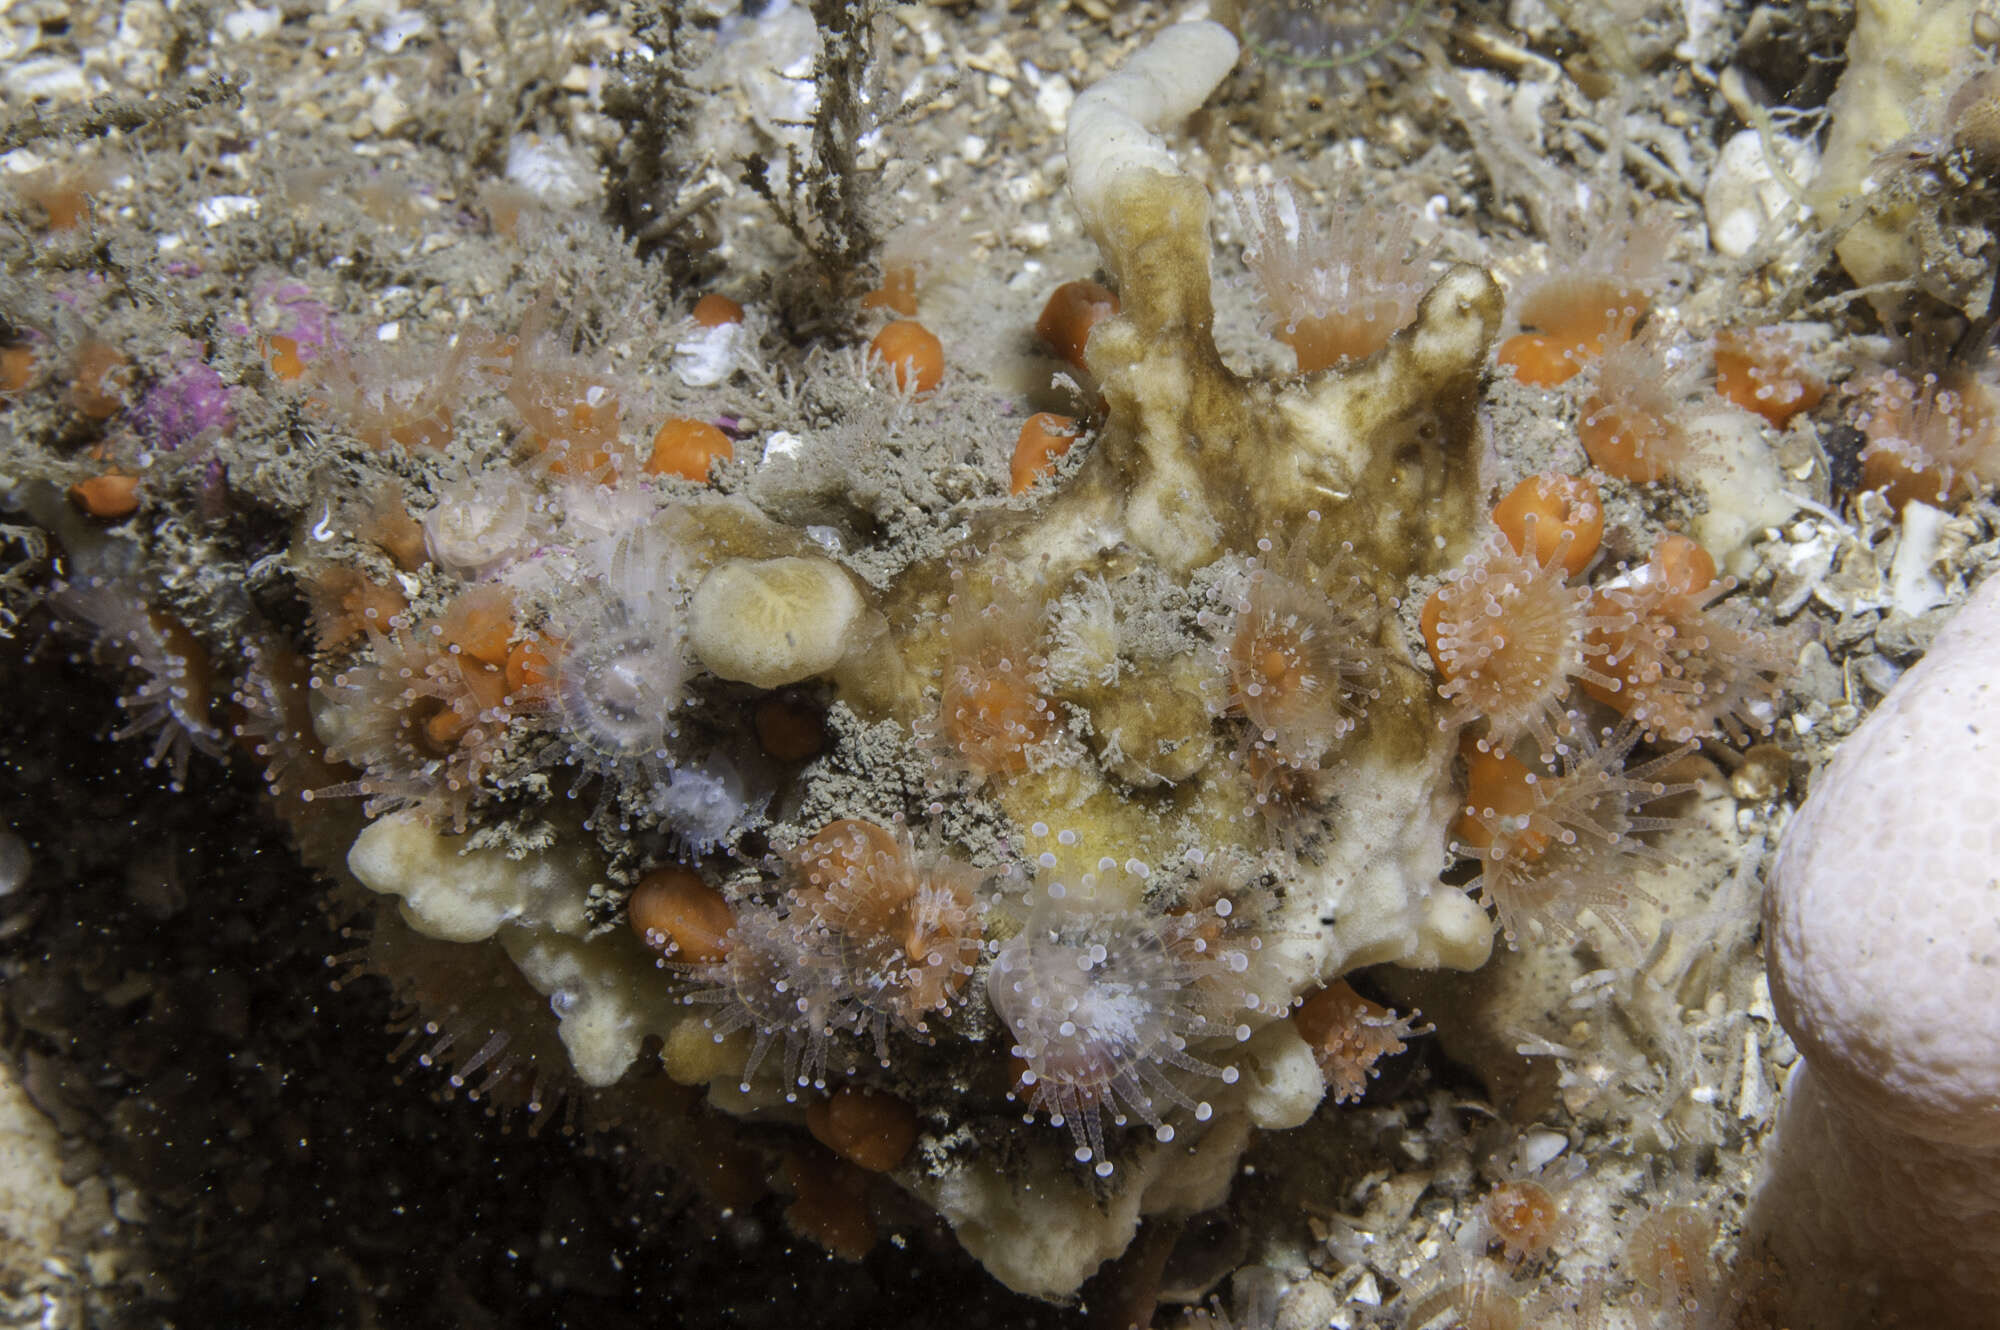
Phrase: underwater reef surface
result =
(1108, 664)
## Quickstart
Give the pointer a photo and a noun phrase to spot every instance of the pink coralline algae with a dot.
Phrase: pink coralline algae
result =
(183, 409)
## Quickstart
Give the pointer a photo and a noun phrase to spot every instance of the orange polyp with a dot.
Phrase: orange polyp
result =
(831, 1206)
(1668, 1256)
(1759, 373)
(345, 603)
(1681, 565)
(1045, 438)
(581, 460)
(715, 309)
(282, 354)
(1525, 1218)
(1631, 419)
(443, 728)
(1587, 314)
(373, 603)
(471, 689)
(856, 877)
(486, 684)
(530, 664)
(687, 448)
(420, 426)
(1322, 1014)
(1570, 329)
(1348, 1035)
(1540, 360)
(1904, 477)
(789, 731)
(62, 194)
(17, 370)
(97, 391)
(1557, 504)
(1298, 661)
(993, 718)
(63, 207)
(674, 911)
(1930, 440)
(571, 415)
(842, 852)
(1073, 310)
(908, 925)
(1658, 642)
(385, 395)
(480, 626)
(1507, 634)
(868, 1129)
(110, 496)
(898, 292)
(390, 528)
(1499, 786)
(1670, 1265)
(1321, 342)
(1626, 444)
(913, 354)
(991, 710)
(577, 433)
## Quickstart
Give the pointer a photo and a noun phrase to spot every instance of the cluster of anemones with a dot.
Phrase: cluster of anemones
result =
(422, 714)
(1590, 325)
(1604, 273)
(573, 561)
(864, 941)
(1685, 662)
(864, 936)
(1524, 654)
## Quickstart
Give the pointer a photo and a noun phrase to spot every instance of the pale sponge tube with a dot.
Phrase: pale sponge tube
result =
(1883, 937)
(1899, 58)
(1113, 127)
